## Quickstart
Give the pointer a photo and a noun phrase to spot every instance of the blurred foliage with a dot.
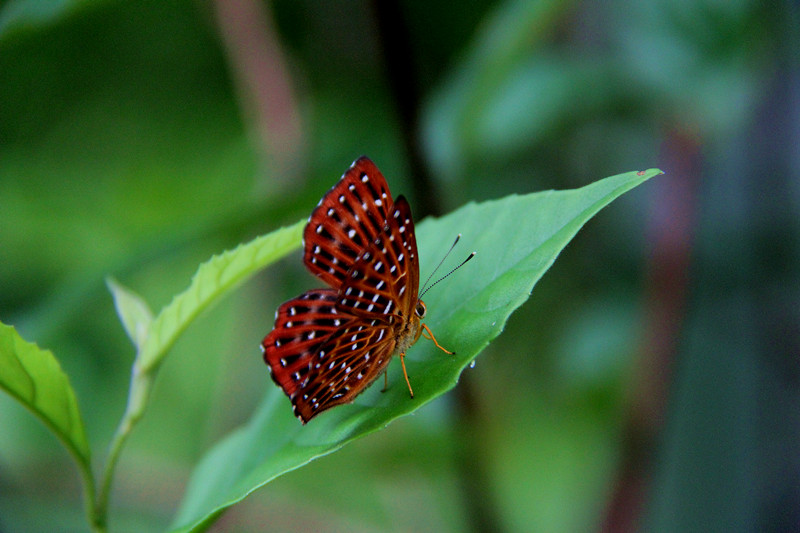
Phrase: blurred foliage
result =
(129, 146)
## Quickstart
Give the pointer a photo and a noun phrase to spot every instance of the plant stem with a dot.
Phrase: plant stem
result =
(137, 401)
(89, 488)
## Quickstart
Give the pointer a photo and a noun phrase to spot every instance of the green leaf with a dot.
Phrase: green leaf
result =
(214, 278)
(133, 311)
(34, 378)
(517, 239)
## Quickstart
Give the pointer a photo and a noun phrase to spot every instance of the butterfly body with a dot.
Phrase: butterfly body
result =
(410, 332)
(330, 344)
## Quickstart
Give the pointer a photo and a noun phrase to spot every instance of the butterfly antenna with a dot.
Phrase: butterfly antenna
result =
(440, 263)
(470, 256)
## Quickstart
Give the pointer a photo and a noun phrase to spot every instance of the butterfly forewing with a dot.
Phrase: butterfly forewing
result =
(383, 282)
(347, 220)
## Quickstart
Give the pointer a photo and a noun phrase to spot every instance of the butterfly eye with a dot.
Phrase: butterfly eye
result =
(421, 309)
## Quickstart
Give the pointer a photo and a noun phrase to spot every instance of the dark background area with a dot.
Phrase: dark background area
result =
(652, 381)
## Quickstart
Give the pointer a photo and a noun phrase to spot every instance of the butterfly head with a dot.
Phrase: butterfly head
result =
(420, 310)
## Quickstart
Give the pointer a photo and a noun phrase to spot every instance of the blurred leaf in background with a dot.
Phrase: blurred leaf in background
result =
(652, 380)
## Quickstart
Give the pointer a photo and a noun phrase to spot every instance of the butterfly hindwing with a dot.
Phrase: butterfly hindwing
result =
(343, 366)
(301, 326)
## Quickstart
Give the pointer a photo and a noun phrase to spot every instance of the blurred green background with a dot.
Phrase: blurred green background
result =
(652, 382)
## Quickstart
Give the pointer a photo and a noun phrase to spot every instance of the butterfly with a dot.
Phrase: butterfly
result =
(328, 345)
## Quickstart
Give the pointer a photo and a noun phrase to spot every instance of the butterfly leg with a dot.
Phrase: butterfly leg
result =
(405, 374)
(431, 337)
(385, 380)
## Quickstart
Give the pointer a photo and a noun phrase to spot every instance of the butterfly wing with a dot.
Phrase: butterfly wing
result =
(343, 366)
(347, 220)
(383, 281)
(321, 356)
(328, 345)
(301, 326)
